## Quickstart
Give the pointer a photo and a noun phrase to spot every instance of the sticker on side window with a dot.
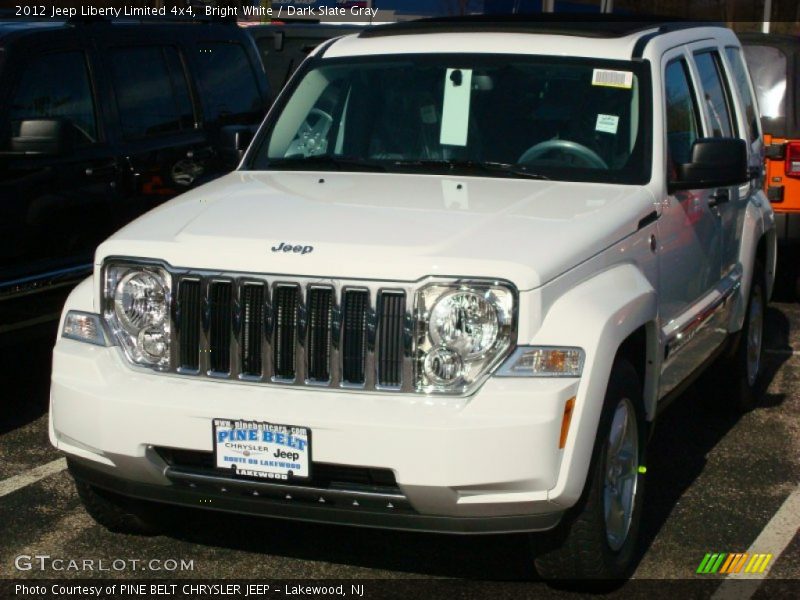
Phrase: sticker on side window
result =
(616, 79)
(607, 123)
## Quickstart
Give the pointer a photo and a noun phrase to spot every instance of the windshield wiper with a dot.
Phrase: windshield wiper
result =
(473, 166)
(517, 169)
(325, 162)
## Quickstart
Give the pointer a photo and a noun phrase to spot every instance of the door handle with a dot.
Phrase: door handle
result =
(102, 170)
(719, 197)
(200, 153)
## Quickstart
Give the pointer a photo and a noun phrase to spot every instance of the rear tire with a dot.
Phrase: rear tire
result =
(598, 537)
(118, 513)
(743, 372)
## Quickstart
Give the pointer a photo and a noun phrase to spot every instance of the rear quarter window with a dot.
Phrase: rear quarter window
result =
(228, 82)
(768, 71)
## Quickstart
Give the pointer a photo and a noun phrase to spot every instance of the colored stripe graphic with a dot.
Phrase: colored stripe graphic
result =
(726, 566)
(758, 563)
(703, 563)
(711, 563)
(741, 562)
(723, 563)
(734, 563)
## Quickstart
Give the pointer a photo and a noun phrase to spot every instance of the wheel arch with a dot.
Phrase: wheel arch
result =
(759, 241)
(612, 314)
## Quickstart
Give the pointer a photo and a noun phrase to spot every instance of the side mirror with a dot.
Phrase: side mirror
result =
(234, 141)
(716, 162)
(51, 137)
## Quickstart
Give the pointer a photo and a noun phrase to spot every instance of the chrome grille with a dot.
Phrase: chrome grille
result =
(220, 319)
(354, 346)
(286, 335)
(252, 321)
(292, 332)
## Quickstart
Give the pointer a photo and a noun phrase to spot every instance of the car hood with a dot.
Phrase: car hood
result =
(386, 226)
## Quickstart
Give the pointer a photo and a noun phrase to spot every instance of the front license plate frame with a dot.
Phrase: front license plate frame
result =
(255, 458)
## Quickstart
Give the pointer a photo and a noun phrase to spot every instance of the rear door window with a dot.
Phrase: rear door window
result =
(682, 121)
(151, 89)
(228, 81)
(743, 86)
(768, 70)
(716, 96)
(57, 86)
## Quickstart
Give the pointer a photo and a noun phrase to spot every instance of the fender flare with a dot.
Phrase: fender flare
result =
(758, 222)
(596, 315)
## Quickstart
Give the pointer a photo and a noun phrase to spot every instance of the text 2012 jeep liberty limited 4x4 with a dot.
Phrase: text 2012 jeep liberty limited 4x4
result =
(455, 277)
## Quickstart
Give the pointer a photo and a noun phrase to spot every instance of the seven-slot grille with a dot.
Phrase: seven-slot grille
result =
(292, 333)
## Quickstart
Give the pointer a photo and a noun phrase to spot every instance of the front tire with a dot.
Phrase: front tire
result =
(748, 359)
(598, 538)
(740, 373)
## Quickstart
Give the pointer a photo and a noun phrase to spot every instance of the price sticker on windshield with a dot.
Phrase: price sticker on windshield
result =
(615, 79)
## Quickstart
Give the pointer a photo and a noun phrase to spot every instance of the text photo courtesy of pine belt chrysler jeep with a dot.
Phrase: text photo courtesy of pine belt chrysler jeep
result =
(455, 277)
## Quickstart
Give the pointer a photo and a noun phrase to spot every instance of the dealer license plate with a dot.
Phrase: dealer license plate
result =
(267, 450)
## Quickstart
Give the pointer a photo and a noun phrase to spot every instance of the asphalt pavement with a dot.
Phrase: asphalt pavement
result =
(716, 482)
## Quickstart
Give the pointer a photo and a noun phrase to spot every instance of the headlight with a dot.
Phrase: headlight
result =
(140, 299)
(465, 330)
(465, 321)
(137, 300)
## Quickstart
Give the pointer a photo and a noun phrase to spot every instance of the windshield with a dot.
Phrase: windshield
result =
(496, 115)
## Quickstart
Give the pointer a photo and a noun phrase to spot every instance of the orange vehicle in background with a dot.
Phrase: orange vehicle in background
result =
(773, 60)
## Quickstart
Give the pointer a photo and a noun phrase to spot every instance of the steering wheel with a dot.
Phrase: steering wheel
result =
(587, 155)
(310, 139)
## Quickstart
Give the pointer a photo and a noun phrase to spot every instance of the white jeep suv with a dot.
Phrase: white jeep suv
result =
(456, 276)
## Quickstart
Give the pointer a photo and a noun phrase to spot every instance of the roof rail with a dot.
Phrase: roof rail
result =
(598, 26)
(641, 43)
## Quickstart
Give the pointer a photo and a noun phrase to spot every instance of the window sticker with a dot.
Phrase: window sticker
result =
(616, 79)
(455, 108)
(607, 123)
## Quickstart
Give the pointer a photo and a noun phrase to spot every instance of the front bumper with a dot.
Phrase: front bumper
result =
(240, 499)
(479, 464)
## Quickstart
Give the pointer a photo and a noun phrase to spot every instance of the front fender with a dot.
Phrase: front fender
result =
(596, 315)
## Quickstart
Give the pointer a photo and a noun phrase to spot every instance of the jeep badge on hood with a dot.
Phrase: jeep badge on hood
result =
(297, 249)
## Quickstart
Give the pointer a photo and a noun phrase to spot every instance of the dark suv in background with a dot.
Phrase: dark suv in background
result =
(283, 46)
(101, 121)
